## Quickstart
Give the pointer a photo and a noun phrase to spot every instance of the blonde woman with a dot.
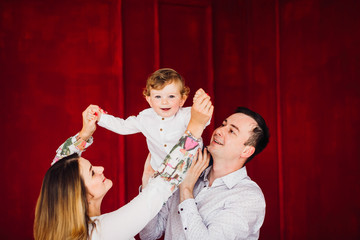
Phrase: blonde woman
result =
(72, 191)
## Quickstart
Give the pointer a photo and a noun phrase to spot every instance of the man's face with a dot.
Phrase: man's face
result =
(227, 141)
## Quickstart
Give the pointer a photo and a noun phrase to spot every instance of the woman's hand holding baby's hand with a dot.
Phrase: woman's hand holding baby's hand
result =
(89, 125)
(91, 115)
(94, 113)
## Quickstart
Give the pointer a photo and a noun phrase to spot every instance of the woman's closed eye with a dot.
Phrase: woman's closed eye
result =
(91, 170)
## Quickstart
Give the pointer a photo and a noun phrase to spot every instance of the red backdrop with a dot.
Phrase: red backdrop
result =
(294, 61)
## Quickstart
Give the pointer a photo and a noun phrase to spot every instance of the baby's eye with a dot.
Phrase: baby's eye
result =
(172, 96)
(157, 97)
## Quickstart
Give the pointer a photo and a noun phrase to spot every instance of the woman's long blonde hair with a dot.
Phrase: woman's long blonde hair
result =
(61, 209)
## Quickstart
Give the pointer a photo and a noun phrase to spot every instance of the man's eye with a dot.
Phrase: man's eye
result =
(92, 173)
(231, 131)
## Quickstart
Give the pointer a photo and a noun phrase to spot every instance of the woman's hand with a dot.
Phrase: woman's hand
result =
(94, 112)
(196, 168)
(201, 112)
(89, 122)
(148, 172)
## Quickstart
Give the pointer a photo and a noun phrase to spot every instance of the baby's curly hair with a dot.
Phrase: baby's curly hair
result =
(162, 77)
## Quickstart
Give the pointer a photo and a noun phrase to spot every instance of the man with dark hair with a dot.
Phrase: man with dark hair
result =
(260, 134)
(223, 203)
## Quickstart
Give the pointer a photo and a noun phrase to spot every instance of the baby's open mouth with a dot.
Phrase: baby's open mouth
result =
(165, 109)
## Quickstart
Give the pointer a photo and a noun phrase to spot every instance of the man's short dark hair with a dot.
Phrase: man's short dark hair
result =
(260, 134)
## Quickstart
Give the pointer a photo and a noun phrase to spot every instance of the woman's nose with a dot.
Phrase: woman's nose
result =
(99, 169)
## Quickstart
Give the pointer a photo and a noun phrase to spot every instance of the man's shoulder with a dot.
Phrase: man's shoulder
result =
(240, 182)
(249, 189)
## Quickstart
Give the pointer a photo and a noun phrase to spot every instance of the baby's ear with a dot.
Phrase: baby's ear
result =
(183, 100)
(148, 100)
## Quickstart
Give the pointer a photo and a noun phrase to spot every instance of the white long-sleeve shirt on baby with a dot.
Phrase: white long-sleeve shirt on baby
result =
(161, 133)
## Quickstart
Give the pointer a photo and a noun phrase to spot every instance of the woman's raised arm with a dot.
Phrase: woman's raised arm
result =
(82, 140)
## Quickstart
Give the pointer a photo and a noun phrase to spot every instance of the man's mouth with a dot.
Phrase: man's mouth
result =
(104, 179)
(217, 142)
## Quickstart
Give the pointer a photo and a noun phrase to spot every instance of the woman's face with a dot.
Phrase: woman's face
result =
(96, 183)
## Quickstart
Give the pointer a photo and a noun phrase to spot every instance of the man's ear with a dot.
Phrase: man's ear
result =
(183, 99)
(148, 100)
(248, 151)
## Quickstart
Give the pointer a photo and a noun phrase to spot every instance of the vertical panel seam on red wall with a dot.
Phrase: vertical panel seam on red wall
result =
(121, 152)
(156, 36)
(210, 64)
(249, 31)
(278, 123)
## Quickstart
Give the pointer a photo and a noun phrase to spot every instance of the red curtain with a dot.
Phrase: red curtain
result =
(295, 62)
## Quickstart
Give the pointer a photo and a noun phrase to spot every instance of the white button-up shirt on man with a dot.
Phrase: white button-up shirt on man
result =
(232, 208)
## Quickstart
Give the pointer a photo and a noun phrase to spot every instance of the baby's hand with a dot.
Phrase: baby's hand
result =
(197, 94)
(202, 108)
(92, 116)
(94, 112)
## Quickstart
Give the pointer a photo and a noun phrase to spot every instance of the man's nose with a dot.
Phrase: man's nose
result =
(219, 131)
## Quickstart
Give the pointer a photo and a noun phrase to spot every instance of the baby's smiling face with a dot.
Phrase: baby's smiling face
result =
(167, 101)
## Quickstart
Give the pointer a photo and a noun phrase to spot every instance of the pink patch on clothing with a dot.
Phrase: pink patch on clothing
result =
(190, 143)
(169, 165)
